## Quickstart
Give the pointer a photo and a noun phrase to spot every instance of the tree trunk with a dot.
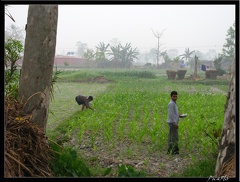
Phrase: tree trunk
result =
(38, 61)
(195, 66)
(226, 160)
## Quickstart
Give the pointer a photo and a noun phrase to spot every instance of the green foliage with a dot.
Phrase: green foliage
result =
(176, 59)
(187, 54)
(132, 73)
(221, 72)
(12, 83)
(77, 75)
(134, 110)
(66, 63)
(218, 61)
(101, 51)
(13, 49)
(66, 163)
(200, 168)
(128, 171)
(217, 64)
(229, 46)
(125, 54)
(55, 78)
(165, 56)
(89, 55)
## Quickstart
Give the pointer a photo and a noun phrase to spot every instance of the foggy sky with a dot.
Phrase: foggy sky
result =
(197, 27)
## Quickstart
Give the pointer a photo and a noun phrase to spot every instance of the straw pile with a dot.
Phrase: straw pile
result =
(27, 153)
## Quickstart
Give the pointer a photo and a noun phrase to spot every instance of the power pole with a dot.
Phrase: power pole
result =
(158, 36)
(195, 66)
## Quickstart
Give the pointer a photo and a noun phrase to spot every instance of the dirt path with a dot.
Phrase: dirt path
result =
(155, 164)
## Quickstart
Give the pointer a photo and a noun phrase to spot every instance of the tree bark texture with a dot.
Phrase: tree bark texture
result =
(38, 61)
(226, 160)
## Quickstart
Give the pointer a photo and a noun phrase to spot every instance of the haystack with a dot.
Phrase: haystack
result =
(27, 152)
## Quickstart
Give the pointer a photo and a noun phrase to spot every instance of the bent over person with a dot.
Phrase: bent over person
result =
(173, 118)
(84, 101)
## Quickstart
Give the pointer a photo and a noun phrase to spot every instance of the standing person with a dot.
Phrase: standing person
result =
(84, 101)
(173, 118)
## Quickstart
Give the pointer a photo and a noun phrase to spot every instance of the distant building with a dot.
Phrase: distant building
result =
(71, 61)
(71, 54)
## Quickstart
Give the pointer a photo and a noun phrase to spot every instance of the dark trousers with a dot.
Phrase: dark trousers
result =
(173, 139)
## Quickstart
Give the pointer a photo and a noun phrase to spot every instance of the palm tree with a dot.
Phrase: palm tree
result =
(124, 54)
(115, 52)
(128, 54)
(101, 51)
(187, 54)
(132, 54)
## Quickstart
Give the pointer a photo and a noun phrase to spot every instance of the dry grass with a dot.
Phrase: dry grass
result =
(27, 153)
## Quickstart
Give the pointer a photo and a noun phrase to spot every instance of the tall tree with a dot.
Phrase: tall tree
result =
(131, 55)
(89, 55)
(187, 56)
(128, 54)
(38, 62)
(81, 47)
(226, 160)
(158, 51)
(218, 61)
(229, 47)
(124, 54)
(101, 51)
(14, 32)
(165, 56)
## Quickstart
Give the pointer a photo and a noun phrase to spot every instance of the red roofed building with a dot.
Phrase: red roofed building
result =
(70, 61)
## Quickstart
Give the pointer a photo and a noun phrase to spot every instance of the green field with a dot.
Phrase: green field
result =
(129, 124)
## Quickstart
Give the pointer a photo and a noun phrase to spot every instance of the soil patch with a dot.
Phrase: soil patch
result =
(153, 163)
(98, 79)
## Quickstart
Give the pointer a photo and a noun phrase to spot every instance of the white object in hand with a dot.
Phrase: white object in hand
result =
(183, 115)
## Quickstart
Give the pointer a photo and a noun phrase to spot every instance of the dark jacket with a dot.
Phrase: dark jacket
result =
(80, 99)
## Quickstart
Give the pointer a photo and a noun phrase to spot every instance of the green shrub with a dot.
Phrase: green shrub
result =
(66, 163)
(221, 72)
(13, 50)
(66, 63)
(200, 168)
(132, 73)
(128, 171)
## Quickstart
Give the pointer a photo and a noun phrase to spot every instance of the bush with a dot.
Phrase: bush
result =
(13, 49)
(128, 171)
(221, 72)
(200, 168)
(66, 163)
